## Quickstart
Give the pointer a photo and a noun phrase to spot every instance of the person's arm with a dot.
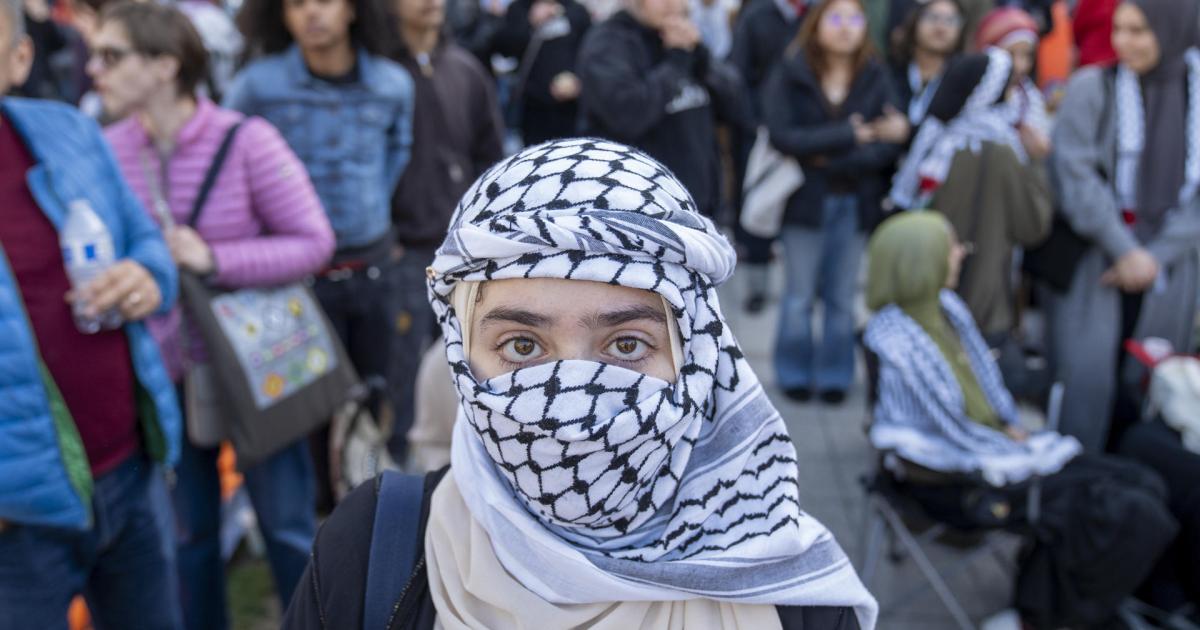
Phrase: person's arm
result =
(908, 393)
(144, 244)
(1085, 197)
(399, 135)
(741, 54)
(624, 97)
(731, 99)
(1178, 236)
(581, 23)
(297, 238)
(792, 137)
(515, 31)
(487, 147)
(871, 157)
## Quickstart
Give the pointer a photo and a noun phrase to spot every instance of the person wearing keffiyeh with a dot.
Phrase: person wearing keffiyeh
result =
(974, 163)
(1126, 166)
(1016, 32)
(955, 445)
(615, 462)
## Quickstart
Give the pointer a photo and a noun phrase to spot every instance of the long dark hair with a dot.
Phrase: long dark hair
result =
(806, 40)
(261, 24)
(907, 44)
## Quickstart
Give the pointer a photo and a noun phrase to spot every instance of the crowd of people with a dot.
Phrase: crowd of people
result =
(554, 189)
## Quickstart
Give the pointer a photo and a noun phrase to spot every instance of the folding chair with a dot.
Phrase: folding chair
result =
(893, 517)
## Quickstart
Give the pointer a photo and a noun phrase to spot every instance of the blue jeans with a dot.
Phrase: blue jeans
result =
(124, 565)
(283, 492)
(416, 327)
(821, 263)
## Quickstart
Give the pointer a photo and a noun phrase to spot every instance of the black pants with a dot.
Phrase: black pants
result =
(416, 327)
(361, 311)
(1103, 524)
(1154, 444)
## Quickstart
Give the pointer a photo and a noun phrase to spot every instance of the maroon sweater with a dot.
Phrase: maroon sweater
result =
(93, 372)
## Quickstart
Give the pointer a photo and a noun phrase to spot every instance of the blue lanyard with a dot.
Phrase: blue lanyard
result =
(919, 105)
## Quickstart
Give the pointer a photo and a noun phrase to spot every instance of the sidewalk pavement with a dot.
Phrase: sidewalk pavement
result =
(833, 454)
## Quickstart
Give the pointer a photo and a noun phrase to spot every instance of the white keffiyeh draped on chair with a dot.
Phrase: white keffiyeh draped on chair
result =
(597, 483)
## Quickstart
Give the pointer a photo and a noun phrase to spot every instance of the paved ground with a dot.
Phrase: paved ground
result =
(834, 454)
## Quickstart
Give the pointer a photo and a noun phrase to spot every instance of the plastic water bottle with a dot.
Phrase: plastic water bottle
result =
(87, 249)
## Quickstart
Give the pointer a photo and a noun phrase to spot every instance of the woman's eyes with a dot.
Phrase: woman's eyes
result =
(629, 349)
(519, 351)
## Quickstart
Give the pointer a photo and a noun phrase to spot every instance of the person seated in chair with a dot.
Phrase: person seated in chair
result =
(958, 448)
(615, 463)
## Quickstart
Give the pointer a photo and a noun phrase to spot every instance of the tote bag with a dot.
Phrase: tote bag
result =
(771, 178)
(279, 367)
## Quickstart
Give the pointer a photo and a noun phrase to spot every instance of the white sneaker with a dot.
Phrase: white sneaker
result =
(1007, 619)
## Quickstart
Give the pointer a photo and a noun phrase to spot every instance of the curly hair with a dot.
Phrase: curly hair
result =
(262, 26)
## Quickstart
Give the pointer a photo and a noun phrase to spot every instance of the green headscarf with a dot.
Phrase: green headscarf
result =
(909, 266)
(909, 260)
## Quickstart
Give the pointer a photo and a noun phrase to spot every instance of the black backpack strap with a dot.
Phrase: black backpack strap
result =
(397, 542)
(210, 177)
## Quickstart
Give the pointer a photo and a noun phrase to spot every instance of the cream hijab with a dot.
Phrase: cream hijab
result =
(471, 589)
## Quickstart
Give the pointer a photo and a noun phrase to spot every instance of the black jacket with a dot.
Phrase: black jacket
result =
(542, 116)
(761, 36)
(802, 124)
(457, 134)
(664, 102)
(331, 592)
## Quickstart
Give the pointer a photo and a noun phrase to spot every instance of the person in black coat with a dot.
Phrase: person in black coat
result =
(763, 32)
(831, 105)
(929, 36)
(649, 82)
(545, 35)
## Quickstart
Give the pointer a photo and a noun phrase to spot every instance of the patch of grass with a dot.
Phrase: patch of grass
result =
(252, 601)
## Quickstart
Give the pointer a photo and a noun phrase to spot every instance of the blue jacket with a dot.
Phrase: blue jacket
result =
(354, 139)
(45, 478)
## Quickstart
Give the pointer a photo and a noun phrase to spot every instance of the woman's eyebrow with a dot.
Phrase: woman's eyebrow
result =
(515, 315)
(616, 317)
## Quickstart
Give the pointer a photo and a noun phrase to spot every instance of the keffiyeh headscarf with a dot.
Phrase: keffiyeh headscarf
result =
(1004, 27)
(600, 484)
(968, 110)
(1158, 120)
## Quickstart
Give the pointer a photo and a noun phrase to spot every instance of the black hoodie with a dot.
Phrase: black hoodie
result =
(664, 102)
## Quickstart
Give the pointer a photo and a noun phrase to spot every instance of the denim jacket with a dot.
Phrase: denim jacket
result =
(354, 139)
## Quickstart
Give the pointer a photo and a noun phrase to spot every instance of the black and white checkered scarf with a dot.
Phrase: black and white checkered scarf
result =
(983, 117)
(1131, 134)
(600, 484)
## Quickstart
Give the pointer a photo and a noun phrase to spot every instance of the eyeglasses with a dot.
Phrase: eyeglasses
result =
(838, 20)
(109, 56)
(942, 19)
